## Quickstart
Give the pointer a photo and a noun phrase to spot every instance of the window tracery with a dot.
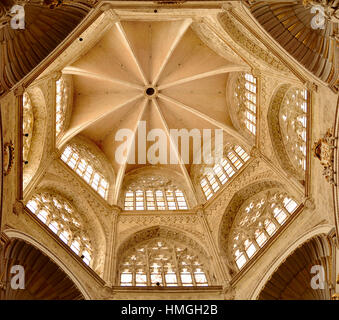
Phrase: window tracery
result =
(246, 98)
(257, 221)
(83, 162)
(293, 123)
(61, 105)
(155, 199)
(159, 262)
(235, 158)
(28, 121)
(64, 221)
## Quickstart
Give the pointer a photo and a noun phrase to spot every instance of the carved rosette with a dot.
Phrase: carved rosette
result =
(323, 149)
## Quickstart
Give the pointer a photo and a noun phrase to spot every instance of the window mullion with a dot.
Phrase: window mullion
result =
(165, 198)
(231, 164)
(176, 264)
(148, 267)
(238, 156)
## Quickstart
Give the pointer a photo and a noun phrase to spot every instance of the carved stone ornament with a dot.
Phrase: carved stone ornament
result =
(323, 149)
(8, 158)
(335, 296)
(151, 182)
(18, 208)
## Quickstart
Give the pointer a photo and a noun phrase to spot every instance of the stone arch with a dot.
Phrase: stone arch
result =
(155, 177)
(201, 171)
(231, 212)
(38, 139)
(42, 251)
(171, 235)
(276, 133)
(92, 225)
(100, 159)
(234, 110)
(319, 231)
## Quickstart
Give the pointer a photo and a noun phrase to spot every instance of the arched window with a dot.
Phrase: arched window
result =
(235, 158)
(158, 262)
(61, 105)
(155, 199)
(28, 120)
(84, 164)
(64, 221)
(293, 120)
(258, 220)
(246, 99)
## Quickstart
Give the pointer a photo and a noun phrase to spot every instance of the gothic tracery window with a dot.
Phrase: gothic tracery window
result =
(246, 98)
(235, 158)
(155, 199)
(84, 164)
(28, 120)
(64, 221)
(258, 220)
(160, 263)
(293, 120)
(61, 104)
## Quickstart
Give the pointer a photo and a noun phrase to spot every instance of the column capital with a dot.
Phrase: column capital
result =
(116, 210)
(18, 208)
(309, 203)
(199, 210)
(19, 91)
(311, 86)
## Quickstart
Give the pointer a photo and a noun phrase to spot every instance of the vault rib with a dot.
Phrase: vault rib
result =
(71, 133)
(84, 73)
(124, 36)
(205, 117)
(122, 169)
(178, 156)
(177, 39)
(221, 70)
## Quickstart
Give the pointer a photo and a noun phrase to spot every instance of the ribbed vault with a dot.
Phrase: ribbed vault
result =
(159, 74)
(43, 278)
(289, 24)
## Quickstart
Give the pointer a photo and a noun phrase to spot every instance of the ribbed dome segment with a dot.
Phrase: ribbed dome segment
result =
(290, 25)
(292, 280)
(43, 278)
(22, 50)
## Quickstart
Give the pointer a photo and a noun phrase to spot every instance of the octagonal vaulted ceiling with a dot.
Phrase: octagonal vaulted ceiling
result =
(159, 72)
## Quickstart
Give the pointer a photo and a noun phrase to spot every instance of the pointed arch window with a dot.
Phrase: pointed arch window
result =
(161, 263)
(235, 158)
(61, 105)
(79, 160)
(155, 199)
(293, 123)
(64, 221)
(28, 121)
(246, 97)
(258, 220)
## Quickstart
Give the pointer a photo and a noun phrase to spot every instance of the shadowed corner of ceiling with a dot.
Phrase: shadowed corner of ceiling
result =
(307, 30)
(46, 24)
